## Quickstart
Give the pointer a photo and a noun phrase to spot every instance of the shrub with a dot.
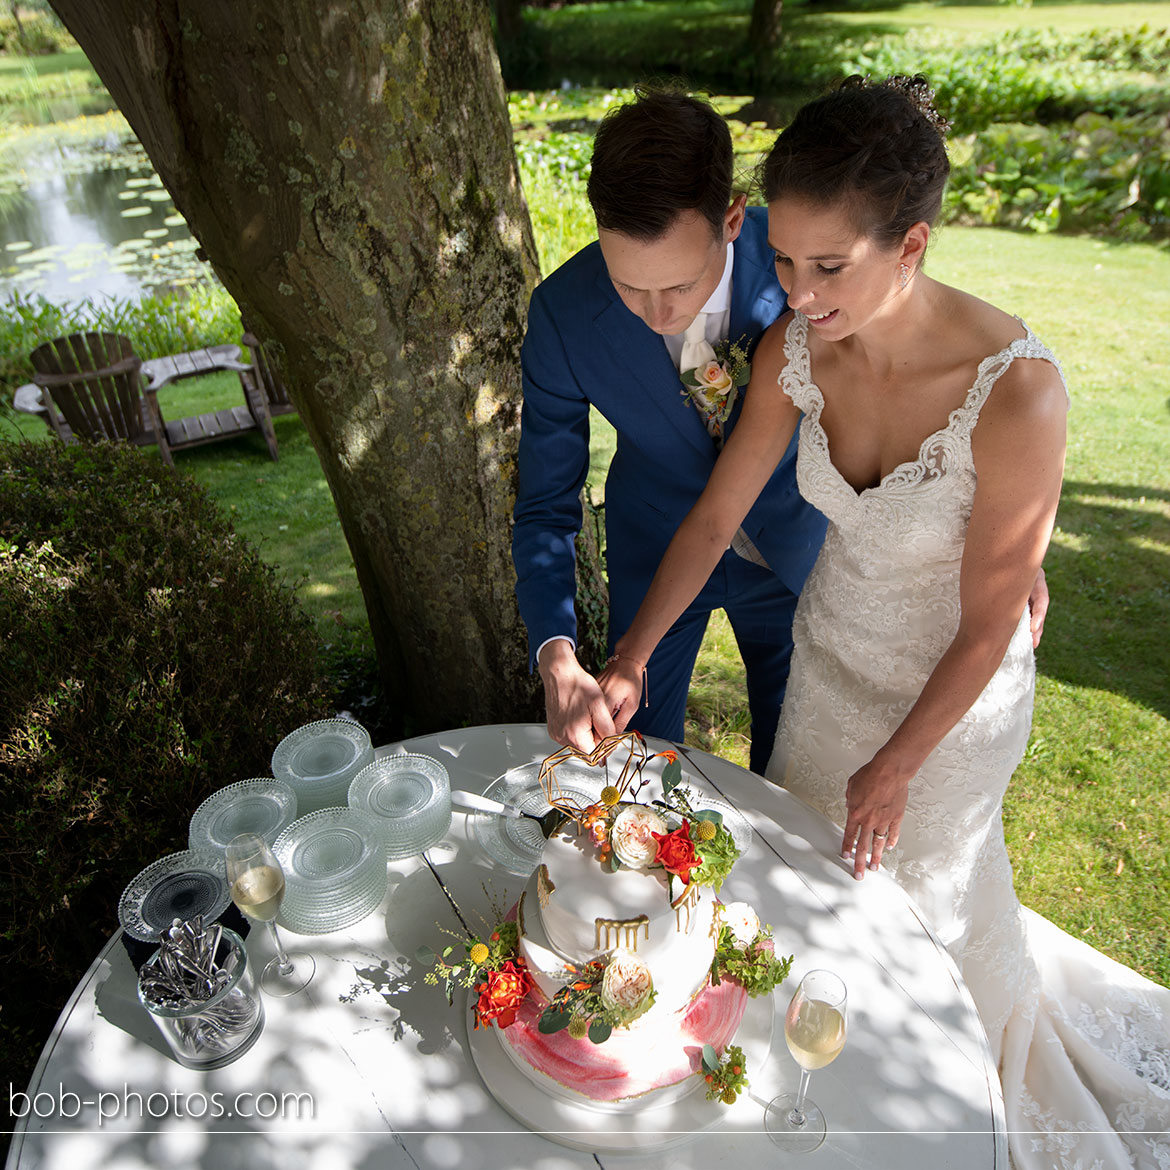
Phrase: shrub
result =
(36, 34)
(1027, 75)
(147, 658)
(1104, 175)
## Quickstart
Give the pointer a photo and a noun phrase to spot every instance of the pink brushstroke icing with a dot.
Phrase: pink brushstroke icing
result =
(630, 1062)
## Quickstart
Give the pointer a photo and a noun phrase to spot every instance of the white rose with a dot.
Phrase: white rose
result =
(743, 921)
(630, 836)
(626, 983)
(713, 377)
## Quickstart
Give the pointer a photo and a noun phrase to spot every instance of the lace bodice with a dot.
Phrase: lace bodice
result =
(918, 514)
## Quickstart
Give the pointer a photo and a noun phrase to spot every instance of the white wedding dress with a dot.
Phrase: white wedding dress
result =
(1083, 1043)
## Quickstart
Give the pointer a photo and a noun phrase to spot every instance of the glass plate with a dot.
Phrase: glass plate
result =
(263, 806)
(309, 918)
(330, 849)
(320, 759)
(410, 796)
(516, 842)
(179, 886)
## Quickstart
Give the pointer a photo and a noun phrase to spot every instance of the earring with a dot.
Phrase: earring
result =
(903, 275)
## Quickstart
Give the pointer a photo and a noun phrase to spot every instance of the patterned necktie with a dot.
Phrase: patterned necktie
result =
(697, 351)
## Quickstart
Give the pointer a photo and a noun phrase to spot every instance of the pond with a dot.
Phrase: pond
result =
(78, 227)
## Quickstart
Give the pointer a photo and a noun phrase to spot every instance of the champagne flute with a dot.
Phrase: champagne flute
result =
(814, 1029)
(257, 883)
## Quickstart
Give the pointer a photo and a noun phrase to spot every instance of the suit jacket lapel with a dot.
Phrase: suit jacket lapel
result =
(756, 300)
(640, 357)
(756, 296)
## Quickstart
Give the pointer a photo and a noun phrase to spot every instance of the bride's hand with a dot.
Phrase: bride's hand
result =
(875, 800)
(621, 684)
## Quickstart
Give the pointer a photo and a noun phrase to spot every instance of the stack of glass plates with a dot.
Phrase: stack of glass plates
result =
(179, 886)
(320, 759)
(410, 796)
(334, 863)
(263, 806)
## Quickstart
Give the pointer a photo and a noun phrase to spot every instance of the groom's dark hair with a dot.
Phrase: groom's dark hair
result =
(663, 153)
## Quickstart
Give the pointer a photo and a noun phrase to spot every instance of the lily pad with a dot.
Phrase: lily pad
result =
(18, 246)
(134, 212)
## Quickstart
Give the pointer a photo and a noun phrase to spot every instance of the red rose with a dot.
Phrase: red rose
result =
(676, 852)
(502, 994)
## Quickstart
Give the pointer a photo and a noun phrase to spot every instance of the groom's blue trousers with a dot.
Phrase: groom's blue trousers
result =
(760, 608)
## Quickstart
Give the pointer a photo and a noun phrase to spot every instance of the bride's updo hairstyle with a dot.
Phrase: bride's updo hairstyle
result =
(876, 148)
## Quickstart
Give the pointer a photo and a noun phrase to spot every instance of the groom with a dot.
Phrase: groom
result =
(679, 267)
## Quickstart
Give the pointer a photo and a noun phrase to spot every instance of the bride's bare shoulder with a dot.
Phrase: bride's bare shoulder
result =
(1028, 388)
(770, 350)
(987, 329)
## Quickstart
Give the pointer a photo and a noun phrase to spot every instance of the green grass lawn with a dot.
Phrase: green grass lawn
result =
(993, 17)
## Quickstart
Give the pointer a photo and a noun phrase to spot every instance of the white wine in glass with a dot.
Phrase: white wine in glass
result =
(257, 884)
(814, 1029)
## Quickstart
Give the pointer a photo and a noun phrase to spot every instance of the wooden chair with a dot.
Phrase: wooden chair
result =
(93, 388)
(265, 376)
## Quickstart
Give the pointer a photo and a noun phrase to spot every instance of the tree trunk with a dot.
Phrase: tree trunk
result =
(20, 37)
(349, 171)
(764, 41)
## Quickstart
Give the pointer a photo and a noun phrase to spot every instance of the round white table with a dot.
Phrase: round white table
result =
(369, 1067)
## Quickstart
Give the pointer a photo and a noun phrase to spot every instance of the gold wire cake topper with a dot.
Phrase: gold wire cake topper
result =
(569, 803)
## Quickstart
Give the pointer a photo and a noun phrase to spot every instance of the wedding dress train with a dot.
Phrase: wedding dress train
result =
(1082, 1043)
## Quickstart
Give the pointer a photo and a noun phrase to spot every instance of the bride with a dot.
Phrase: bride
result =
(932, 436)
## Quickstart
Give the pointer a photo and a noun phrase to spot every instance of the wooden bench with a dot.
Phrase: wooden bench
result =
(93, 386)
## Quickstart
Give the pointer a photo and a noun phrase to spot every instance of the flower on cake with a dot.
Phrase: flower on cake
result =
(608, 992)
(676, 852)
(492, 966)
(726, 1076)
(626, 986)
(632, 836)
(742, 921)
(502, 993)
(745, 952)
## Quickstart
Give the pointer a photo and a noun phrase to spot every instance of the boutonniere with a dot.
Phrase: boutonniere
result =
(713, 386)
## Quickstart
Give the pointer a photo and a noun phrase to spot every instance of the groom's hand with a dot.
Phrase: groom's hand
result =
(574, 706)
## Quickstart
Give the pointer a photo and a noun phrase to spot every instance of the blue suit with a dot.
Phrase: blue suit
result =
(584, 347)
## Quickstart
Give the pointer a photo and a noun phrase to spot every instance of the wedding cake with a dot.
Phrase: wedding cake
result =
(619, 973)
(643, 939)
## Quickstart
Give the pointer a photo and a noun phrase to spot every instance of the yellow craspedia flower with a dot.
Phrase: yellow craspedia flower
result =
(479, 954)
(610, 796)
(704, 830)
(729, 1096)
(578, 1027)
